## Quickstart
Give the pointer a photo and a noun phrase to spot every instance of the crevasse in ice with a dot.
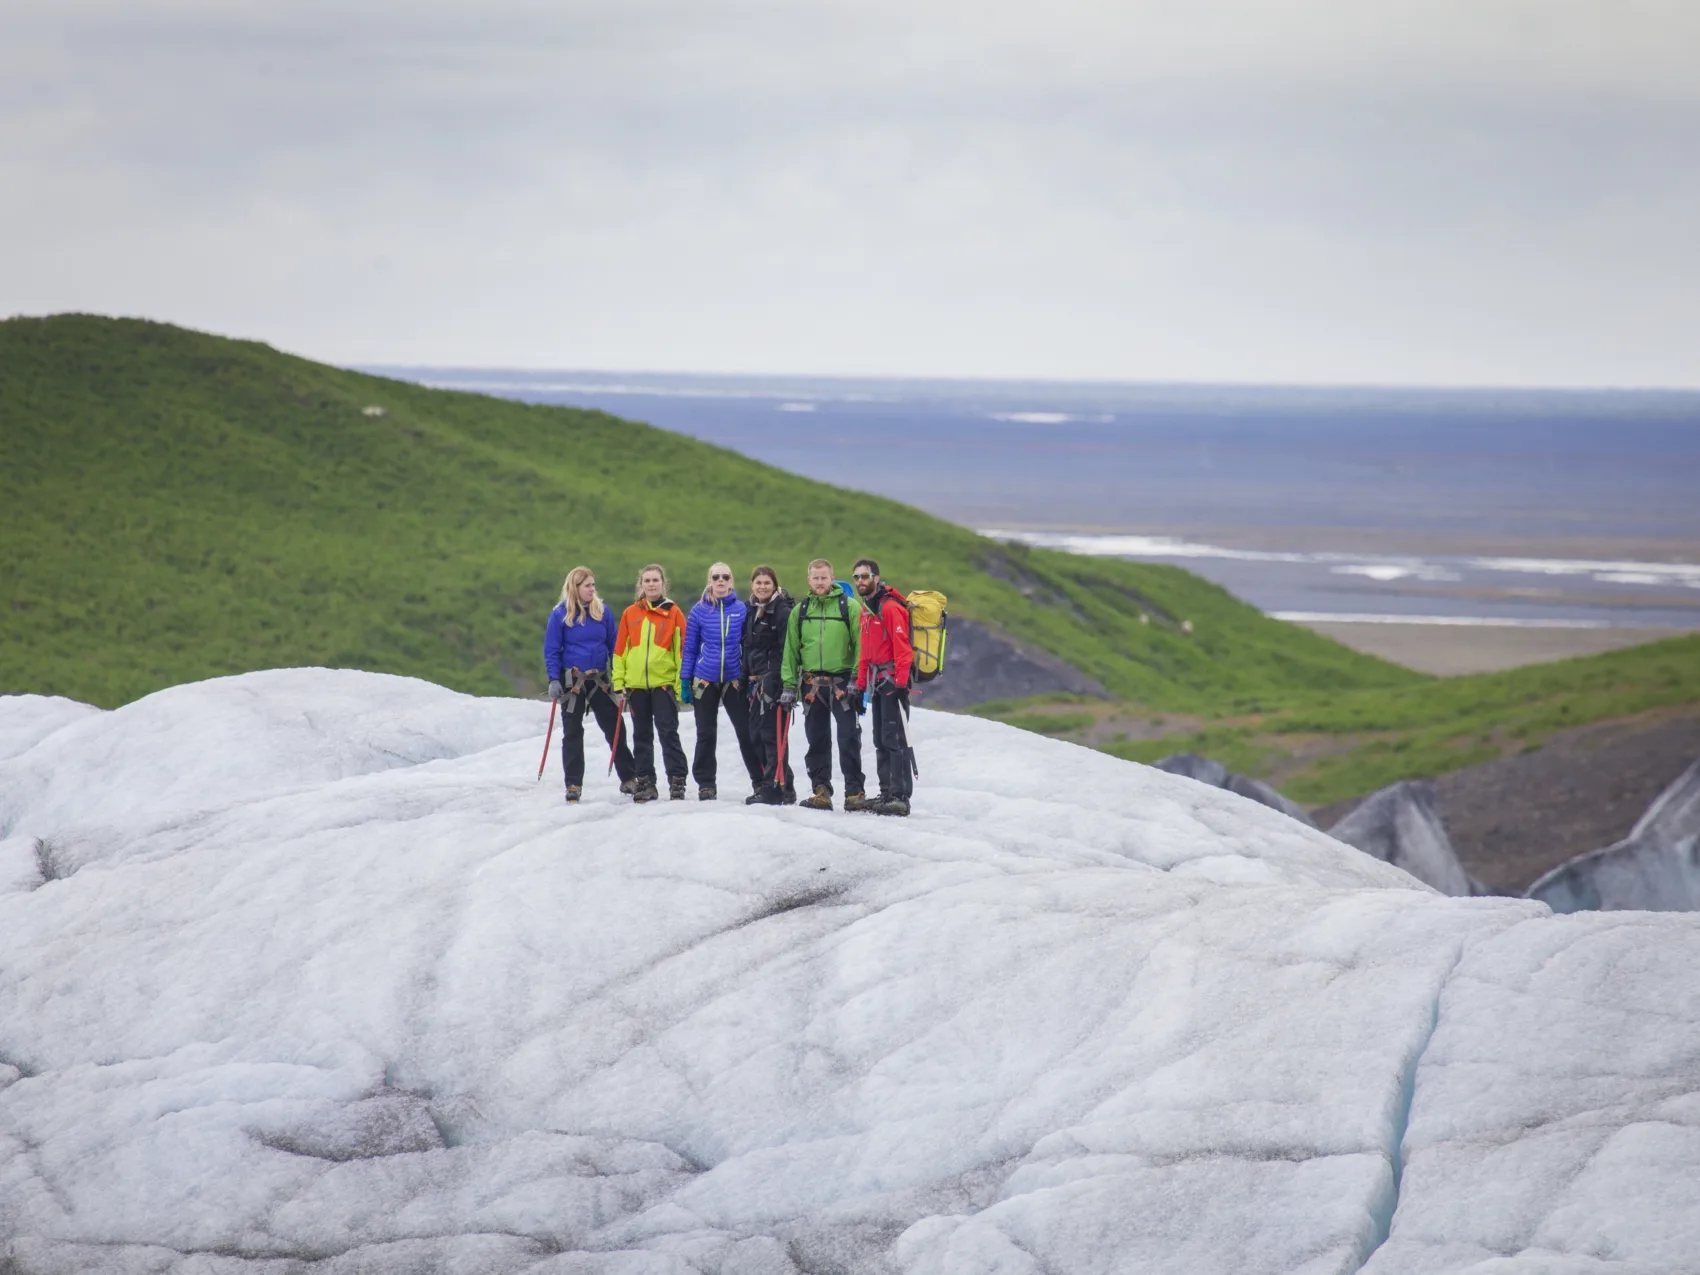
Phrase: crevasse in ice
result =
(301, 970)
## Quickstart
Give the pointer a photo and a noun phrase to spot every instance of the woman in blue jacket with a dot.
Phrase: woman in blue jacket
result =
(711, 673)
(578, 651)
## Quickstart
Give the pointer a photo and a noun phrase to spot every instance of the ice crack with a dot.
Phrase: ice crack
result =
(1402, 1115)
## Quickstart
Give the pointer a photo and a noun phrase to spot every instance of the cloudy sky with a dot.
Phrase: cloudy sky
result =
(1439, 191)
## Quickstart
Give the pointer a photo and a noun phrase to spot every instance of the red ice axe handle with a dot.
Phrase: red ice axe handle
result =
(619, 721)
(548, 738)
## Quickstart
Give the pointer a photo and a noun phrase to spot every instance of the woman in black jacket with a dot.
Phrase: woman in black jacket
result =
(764, 645)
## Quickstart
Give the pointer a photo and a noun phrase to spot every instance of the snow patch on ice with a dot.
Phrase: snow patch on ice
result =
(26, 720)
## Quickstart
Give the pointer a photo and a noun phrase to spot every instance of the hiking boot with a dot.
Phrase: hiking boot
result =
(573, 794)
(676, 789)
(857, 801)
(787, 796)
(643, 790)
(628, 786)
(705, 792)
(764, 795)
(822, 800)
(892, 806)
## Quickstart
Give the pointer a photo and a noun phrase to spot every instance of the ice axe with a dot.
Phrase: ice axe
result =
(548, 738)
(619, 721)
(782, 730)
(902, 711)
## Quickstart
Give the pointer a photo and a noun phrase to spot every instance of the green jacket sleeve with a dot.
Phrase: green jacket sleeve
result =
(857, 610)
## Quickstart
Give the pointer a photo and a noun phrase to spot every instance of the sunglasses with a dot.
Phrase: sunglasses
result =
(719, 576)
(862, 575)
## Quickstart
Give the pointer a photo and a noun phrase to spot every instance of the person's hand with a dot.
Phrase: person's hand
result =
(699, 684)
(620, 700)
(788, 697)
(556, 690)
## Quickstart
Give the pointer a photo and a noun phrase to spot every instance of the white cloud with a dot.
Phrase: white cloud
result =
(1288, 191)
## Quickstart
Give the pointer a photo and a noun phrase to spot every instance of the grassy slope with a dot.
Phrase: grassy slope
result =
(176, 506)
(1352, 742)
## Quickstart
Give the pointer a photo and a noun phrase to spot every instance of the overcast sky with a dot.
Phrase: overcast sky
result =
(1443, 191)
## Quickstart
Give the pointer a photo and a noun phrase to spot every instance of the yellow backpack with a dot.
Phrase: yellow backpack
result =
(928, 628)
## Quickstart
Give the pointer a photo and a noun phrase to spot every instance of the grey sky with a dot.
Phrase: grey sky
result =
(1453, 191)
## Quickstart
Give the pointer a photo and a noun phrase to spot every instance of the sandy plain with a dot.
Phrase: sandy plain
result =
(1449, 650)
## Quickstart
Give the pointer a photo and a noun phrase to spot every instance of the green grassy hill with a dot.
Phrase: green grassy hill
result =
(176, 506)
(1353, 741)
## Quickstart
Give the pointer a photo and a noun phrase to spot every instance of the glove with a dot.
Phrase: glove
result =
(556, 690)
(685, 692)
(788, 697)
(861, 704)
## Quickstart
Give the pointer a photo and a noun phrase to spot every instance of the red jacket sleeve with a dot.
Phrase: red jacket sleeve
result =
(897, 630)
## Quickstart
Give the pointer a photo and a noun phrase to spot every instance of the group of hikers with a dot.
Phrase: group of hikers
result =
(839, 653)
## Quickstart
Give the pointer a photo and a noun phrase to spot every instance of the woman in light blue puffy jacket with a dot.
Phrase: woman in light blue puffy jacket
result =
(711, 673)
(578, 649)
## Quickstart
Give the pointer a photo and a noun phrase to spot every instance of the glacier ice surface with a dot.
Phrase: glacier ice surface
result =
(1656, 868)
(301, 970)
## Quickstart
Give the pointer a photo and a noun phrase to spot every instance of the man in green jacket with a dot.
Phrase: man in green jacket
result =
(823, 645)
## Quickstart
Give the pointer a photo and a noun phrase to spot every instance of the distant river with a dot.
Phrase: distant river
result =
(1509, 507)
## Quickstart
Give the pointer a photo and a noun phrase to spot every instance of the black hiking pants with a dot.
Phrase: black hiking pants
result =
(656, 712)
(597, 701)
(892, 759)
(707, 703)
(764, 741)
(826, 711)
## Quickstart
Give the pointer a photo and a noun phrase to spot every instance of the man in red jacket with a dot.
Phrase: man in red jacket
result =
(887, 657)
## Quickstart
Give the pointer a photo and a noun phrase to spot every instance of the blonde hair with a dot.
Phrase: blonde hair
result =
(820, 562)
(659, 570)
(708, 577)
(569, 595)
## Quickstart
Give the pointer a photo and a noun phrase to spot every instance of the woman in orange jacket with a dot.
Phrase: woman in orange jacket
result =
(646, 680)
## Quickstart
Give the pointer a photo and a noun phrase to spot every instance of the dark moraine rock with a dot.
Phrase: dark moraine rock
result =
(1206, 770)
(1257, 790)
(984, 664)
(1656, 868)
(1400, 824)
(1191, 765)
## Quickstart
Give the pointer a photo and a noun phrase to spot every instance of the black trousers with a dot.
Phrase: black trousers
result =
(607, 713)
(764, 740)
(891, 749)
(707, 703)
(819, 718)
(656, 712)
